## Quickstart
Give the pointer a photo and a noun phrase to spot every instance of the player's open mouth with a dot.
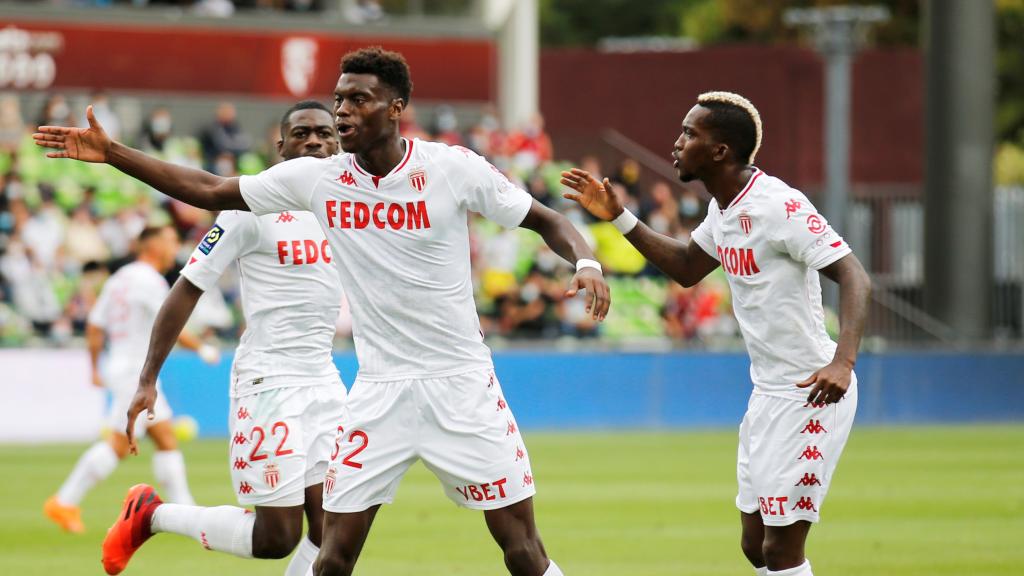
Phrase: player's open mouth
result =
(345, 130)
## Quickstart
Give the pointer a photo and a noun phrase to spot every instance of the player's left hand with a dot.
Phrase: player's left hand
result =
(829, 384)
(598, 296)
(145, 399)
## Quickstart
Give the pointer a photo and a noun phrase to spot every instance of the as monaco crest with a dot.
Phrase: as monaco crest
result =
(418, 179)
(332, 474)
(298, 64)
(271, 475)
(745, 223)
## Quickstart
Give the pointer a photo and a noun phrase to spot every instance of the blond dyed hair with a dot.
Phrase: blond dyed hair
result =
(733, 99)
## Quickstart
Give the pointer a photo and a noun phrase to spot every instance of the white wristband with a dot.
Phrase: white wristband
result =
(209, 354)
(587, 263)
(625, 222)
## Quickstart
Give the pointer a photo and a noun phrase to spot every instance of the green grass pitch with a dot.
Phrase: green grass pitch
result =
(906, 501)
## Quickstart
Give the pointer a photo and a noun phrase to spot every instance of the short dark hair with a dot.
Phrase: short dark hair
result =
(151, 232)
(389, 67)
(303, 105)
(733, 126)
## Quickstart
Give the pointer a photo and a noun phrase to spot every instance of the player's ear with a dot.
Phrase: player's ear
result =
(280, 144)
(396, 108)
(719, 152)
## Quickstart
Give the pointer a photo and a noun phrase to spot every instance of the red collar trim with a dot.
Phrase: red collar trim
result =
(746, 189)
(376, 179)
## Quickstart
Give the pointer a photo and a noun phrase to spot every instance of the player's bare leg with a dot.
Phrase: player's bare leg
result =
(343, 538)
(752, 540)
(168, 462)
(309, 547)
(515, 531)
(784, 549)
(98, 462)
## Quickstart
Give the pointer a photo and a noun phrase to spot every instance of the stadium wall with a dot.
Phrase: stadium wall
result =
(48, 397)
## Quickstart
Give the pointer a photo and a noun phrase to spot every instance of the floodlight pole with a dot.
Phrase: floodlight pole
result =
(839, 32)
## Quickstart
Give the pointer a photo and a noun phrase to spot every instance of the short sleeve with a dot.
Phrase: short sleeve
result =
(482, 188)
(98, 315)
(285, 186)
(804, 234)
(233, 235)
(704, 238)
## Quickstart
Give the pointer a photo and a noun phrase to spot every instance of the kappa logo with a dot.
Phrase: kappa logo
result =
(241, 464)
(271, 475)
(520, 454)
(211, 239)
(245, 488)
(284, 217)
(791, 207)
(239, 438)
(527, 479)
(814, 405)
(813, 427)
(811, 453)
(511, 428)
(809, 479)
(804, 503)
(346, 178)
(418, 179)
(501, 405)
(243, 413)
(204, 541)
(329, 479)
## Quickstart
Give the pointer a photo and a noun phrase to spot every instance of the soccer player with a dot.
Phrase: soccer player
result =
(286, 394)
(395, 214)
(773, 244)
(122, 318)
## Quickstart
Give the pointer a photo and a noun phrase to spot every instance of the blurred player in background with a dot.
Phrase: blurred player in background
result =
(122, 319)
(396, 214)
(773, 244)
(286, 394)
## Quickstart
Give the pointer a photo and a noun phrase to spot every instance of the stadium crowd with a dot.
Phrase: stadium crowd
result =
(65, 225)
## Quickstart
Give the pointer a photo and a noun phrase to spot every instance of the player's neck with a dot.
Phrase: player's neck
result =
(381, 160)
(149, 261)
(726, 185)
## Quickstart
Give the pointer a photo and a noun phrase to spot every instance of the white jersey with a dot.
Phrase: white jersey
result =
(126, 310)
(290, 296)
(401, 244)
(771, 242)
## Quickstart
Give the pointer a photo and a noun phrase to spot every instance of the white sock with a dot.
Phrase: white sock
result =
(801, 570)
(169, 470)
(762, 571)
(553, 569)
(94, 465)
(221, 528)
(302, 561)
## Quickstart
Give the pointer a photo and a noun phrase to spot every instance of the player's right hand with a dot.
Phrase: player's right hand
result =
(145, 399)
(597, 198)
(86, 144)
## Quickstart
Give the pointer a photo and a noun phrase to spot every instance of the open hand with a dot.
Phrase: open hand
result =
(598, 295)
(830, 383)
(597, 198)
(145, 399)
(86, 144)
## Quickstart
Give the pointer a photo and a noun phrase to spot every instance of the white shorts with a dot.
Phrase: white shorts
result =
(788, 451)
(460, 426)
(281, 440)
(121, 399)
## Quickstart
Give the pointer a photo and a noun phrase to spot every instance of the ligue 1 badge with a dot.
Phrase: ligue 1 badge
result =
(271, 475)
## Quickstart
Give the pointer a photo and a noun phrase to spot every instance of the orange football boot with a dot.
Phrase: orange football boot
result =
(131, 529)
(69, 518)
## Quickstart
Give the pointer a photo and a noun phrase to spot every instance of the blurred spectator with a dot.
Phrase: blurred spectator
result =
(55, 112)
(83, 241)
(223, 136)
(485, 137)
(157, 131)
(662, 210)
(530, 146)
(446, 126)
(12, 127)
(408, 125)
(362, 11)
(44, 231)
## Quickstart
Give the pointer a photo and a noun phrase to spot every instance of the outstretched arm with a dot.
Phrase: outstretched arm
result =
(684, 262)
(831, 382)
(563, 238)
(170, 321)
(195, 187)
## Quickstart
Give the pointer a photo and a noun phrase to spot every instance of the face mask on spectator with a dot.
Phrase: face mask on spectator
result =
(529, 293)
(161, 125)
(689, 207)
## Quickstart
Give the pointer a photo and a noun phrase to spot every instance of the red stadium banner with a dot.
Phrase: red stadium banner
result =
(275, 64)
